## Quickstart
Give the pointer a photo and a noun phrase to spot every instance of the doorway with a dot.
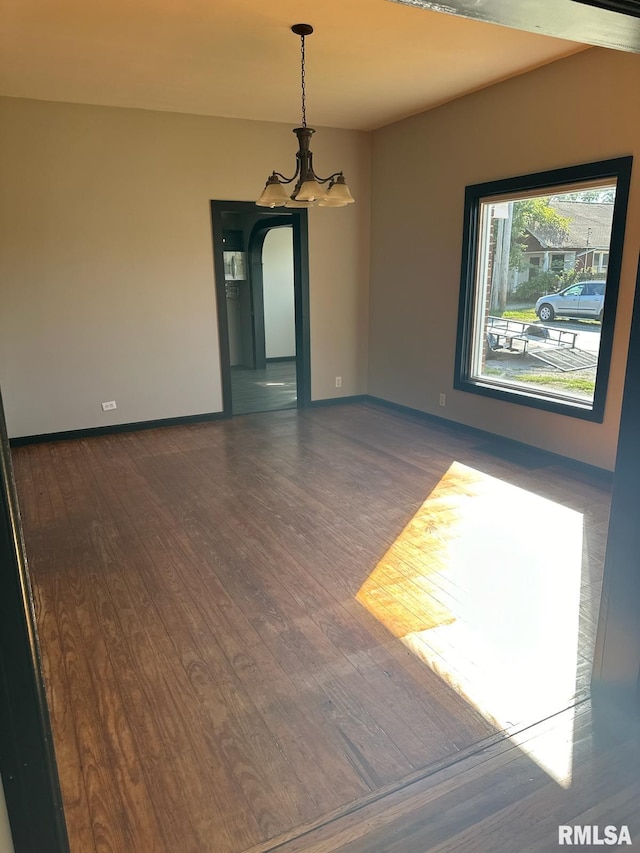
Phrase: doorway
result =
(262, 295)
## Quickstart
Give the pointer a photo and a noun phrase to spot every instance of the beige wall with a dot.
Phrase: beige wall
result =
(107, 273)
(577, 110)
(6, 844)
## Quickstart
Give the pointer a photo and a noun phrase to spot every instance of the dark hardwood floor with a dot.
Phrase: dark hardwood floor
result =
(267, 390)
(253, 628)
(500, 800)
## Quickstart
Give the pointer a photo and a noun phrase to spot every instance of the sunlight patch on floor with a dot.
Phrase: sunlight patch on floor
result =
(483, 585)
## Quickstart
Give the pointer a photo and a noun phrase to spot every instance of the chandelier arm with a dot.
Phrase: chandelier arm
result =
(284, 180)
(330, 178)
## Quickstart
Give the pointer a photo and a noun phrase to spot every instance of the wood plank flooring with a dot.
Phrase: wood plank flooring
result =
(270, 389)
(500, 800)
(249, 626)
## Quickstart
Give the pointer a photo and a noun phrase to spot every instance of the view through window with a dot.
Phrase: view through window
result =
(538, 277)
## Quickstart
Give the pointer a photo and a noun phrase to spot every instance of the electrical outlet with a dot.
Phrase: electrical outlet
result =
(338, 381)
(106, 407)
(443, 399)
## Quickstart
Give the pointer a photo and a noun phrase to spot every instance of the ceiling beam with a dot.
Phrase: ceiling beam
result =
(575, 20)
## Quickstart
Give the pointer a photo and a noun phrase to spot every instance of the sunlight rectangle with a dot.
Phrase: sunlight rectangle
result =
(483, 585)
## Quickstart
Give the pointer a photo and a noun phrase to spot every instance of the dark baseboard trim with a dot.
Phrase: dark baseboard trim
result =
(593, 471)
(601, 474)
(280, 358)
(336, 401)
(71, 434)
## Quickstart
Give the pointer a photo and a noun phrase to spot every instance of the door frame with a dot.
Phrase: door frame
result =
(27, 759)
(265, 220)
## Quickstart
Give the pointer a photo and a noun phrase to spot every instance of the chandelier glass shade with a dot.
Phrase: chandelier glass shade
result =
(309, 189)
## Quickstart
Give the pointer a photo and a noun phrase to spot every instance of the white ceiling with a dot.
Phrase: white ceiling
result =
(369, 62)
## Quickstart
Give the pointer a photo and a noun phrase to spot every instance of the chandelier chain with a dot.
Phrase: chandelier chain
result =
(303, 82)
(309, 189)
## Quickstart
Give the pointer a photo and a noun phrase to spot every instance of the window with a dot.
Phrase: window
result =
(535, 323)
(600, 261)
(534, 267)
(594, 288)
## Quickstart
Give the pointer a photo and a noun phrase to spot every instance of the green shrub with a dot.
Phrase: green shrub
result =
(539, 285)
(571, 276)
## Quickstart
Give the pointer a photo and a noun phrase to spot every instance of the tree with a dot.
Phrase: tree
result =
(538, 216)
(532, 214)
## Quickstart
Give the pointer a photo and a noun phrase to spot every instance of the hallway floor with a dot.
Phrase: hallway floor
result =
(265, 390)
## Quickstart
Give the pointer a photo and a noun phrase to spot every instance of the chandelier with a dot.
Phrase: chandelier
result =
(309, 189)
